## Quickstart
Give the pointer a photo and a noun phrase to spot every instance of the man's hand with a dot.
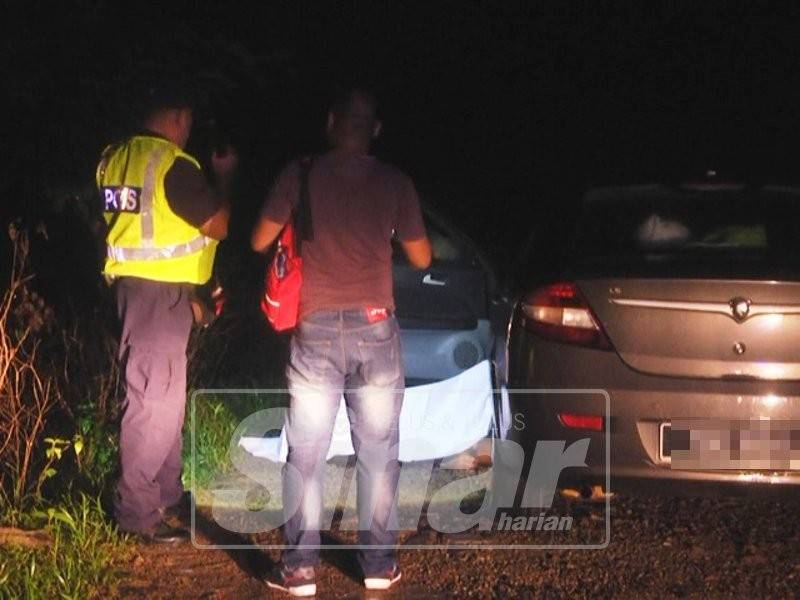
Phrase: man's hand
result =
(223, 164)
(217, 226)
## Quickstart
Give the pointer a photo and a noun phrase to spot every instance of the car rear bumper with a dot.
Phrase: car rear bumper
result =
(638, 405)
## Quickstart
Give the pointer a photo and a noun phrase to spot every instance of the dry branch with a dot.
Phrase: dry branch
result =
(35, 538)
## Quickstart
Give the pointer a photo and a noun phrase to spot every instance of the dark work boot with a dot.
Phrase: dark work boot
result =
(162, 533)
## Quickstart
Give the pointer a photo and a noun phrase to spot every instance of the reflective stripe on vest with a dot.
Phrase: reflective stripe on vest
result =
(120, 254)
(148, 194)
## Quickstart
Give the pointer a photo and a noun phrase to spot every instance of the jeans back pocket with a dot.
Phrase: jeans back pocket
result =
(380, 354)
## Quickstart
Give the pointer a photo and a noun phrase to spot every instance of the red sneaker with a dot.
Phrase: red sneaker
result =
(300, 582)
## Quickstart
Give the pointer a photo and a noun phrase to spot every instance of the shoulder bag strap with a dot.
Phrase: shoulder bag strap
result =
(302, 219)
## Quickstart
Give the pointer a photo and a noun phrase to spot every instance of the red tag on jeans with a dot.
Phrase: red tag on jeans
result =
(377, 314)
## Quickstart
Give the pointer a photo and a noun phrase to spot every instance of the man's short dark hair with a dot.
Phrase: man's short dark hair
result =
(170, 94)
(342, 100)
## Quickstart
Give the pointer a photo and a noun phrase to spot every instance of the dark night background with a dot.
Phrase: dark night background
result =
(501, 112)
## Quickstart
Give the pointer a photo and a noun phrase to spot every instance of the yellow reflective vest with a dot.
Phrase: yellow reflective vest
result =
(145, 237)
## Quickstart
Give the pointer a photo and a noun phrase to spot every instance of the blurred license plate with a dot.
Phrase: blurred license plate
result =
(749, 444)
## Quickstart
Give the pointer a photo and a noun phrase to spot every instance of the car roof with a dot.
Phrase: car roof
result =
(667, 191)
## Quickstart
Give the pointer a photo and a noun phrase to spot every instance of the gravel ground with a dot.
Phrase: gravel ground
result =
(659, 547)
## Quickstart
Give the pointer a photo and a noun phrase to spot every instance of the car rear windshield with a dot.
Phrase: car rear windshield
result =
(661, 231)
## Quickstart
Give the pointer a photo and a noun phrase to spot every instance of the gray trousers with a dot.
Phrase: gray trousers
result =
(156, 321)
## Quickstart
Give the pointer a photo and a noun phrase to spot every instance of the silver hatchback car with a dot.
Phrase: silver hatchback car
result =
(683, 304)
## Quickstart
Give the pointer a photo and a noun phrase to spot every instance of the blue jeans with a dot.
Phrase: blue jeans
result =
(335, 352)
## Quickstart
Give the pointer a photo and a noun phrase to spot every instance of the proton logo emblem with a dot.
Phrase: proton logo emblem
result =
(740, 309)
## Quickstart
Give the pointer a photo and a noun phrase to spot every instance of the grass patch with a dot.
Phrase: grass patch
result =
(216, 417)
(82, 561)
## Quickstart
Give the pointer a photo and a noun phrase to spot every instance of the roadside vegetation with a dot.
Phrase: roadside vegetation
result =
(58, 389)
(76, 552)
(60, 400)
(215, 419)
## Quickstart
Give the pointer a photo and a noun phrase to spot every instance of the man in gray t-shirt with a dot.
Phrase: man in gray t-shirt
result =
(347, 337)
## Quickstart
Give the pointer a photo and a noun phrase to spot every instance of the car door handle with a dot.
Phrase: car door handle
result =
(430, 280)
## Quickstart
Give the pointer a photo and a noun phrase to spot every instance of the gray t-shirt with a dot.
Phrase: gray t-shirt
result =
(357, 203)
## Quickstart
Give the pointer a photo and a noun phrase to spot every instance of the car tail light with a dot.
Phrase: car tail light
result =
(560, 313)
(573, 421)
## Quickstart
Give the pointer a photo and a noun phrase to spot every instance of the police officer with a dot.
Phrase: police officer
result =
(164, 222)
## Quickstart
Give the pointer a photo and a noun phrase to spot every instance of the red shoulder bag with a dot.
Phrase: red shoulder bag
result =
(281, 298)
